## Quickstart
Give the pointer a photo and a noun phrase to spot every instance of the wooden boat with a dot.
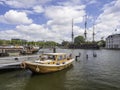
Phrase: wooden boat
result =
(49, 62)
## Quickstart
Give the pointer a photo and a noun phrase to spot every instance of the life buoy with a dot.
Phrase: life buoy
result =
(23, 65)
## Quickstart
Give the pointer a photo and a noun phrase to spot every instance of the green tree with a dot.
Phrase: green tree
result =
(65, 43)
(101, 43)
(1, 42)
(78, 40)
(50, 43)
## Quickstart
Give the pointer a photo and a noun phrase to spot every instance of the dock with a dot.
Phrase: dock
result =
(14, 62)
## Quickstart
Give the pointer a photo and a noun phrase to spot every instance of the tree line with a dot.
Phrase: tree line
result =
(30, 43)
(79, 40)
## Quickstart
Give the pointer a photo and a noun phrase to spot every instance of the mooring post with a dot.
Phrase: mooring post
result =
(87, 56)
(76, 57)
(94, 55)
(54, 50)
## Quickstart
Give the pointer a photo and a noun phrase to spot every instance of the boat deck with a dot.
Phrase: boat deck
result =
(12, 61)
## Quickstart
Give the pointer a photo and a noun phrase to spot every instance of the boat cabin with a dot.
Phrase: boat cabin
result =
(52, 58)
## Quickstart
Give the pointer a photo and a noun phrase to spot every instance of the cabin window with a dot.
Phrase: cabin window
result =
(60, 57)
(43, 57)
(64, 57)
(51, 57)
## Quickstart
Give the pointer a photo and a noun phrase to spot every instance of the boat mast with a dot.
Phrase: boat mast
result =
(72, 35)
(93, 33)
(85, 33)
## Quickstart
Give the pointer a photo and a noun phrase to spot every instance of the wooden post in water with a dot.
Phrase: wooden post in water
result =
(76, 57)
(54, 50)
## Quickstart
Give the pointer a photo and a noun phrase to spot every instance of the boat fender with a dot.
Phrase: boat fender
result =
(37, 69)
(23, 65)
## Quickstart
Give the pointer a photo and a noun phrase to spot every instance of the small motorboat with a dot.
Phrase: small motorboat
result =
(49, 62)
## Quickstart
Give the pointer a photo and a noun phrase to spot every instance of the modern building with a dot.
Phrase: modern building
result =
(113, 41)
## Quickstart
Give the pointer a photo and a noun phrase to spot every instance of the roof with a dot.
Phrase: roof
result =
(113, 35)
(54, 54)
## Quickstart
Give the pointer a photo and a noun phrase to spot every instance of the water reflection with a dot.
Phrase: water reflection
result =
(14, 80)
(50, 81)
(95, 73)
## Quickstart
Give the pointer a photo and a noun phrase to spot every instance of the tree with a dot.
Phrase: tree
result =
(50, 43)
(78, 40)
(65, 43)
(101, 43)
(1, 42)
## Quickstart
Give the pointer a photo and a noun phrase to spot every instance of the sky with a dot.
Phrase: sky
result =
(51, 20)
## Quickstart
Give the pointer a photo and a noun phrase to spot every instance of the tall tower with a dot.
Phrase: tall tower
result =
(72, 35)
(85, 33)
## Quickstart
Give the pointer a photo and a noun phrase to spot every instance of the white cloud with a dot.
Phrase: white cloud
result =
(64, 14)
(15, 17)
(24, 3)
(40, 32)
(1, 3)
(61, 20)
(27, 11)
(38, 9)
(90, 1)
(58, 26)
(109, 20)
(28, 32)
(37, 32)
(70, 2)
(78, 2)
(8, 34)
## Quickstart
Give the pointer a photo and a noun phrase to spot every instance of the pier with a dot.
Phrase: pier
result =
(14, 62)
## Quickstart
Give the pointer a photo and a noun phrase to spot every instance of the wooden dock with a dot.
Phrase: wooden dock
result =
(10, 62)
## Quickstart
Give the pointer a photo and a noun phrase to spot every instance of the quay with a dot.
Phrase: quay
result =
(14, 62)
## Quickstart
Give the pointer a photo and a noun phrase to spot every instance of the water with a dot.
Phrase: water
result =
(95, 73)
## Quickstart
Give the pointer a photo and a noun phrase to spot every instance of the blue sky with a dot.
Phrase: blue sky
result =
(37, 20)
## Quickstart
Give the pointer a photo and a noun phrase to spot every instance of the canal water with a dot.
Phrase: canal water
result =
(87, 73)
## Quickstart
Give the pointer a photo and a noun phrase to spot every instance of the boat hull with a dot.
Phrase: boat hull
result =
(38, 68)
